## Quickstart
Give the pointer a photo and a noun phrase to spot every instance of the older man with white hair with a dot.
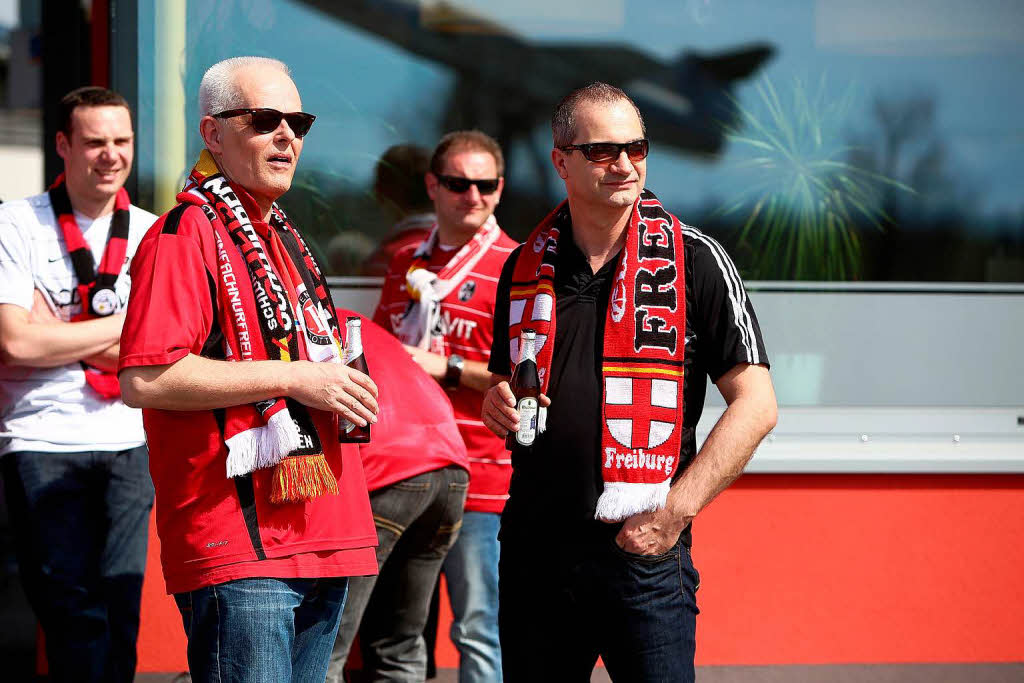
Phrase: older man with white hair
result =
(232, 349)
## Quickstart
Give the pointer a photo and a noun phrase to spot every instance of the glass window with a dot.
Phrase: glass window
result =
(875, 140)
(21, 88)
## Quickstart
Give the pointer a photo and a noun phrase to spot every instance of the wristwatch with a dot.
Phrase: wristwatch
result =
(454, 372)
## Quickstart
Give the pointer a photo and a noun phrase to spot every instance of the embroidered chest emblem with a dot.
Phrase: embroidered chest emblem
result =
(467, 290)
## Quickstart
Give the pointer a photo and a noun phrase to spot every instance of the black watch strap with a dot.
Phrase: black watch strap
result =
(454, 372)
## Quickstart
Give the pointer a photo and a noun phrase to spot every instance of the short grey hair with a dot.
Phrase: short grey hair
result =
(563, 121)
(218, 91)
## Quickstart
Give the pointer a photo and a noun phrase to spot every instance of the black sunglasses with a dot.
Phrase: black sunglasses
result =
(601, 152)
(267, 120)
(459, 185)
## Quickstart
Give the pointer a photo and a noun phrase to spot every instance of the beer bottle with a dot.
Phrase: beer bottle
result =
(349, 432)
(525, 385)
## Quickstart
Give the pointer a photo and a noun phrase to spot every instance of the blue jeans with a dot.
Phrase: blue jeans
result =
(262, 630)
(471, 569)
(416, 520)
(81, 522)
(559, 612)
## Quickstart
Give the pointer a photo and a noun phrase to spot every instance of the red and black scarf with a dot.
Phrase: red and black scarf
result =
(272, 306)
(642, 360)
(95, 287)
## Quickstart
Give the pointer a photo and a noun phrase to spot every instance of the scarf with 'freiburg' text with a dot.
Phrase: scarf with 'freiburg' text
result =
(642, 360)
(274, 307)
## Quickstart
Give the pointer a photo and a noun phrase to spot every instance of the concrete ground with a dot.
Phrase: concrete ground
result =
(872, 673)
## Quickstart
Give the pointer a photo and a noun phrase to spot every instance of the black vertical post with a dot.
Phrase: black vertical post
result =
(66, 66)
(124, 78)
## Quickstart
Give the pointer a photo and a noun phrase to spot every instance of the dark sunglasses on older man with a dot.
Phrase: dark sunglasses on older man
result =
(460, 185)
(603, 152)
(267, 120)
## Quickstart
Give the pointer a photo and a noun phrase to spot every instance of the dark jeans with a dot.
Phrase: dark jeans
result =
(262, 630)
(417, 520)
(81, 524)
(555, 617)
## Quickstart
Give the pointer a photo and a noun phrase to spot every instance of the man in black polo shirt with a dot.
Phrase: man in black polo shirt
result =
(595, 536)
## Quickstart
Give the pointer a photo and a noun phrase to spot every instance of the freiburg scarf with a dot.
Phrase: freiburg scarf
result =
(274, 307)
(642, 360)
(420, 325)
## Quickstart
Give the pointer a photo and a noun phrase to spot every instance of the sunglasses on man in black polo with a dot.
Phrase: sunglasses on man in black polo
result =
(265, 120)
(460, 185)
(603, 152)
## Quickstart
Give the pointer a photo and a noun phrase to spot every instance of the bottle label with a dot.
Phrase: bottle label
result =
(351, 354)
(354, 342)
(527, 408)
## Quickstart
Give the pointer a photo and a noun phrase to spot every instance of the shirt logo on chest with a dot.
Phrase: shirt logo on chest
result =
(467, 290)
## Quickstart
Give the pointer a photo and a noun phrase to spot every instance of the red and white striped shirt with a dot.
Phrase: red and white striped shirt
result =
(467, 315)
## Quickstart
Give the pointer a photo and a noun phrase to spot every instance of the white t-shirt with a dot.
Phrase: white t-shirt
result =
(53, 409)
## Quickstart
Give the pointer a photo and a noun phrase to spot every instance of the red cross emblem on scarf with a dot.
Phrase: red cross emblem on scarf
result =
(640, 413)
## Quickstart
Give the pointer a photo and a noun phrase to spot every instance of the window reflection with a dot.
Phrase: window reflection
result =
(21, 120)
(818, 140)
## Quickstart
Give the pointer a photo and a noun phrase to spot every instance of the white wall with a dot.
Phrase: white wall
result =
(21, 172)
(900, 345)
(882, 377)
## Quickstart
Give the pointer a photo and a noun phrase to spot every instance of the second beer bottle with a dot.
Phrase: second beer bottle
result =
(349, 432)
(525, 384)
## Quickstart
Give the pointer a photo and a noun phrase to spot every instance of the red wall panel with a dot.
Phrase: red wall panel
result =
(816, 569)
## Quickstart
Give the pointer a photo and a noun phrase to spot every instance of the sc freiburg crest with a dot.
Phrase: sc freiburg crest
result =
(314, 321)
(618, 302)
(466, 290)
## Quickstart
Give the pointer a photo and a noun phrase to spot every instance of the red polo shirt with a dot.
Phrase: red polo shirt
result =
(215, 529)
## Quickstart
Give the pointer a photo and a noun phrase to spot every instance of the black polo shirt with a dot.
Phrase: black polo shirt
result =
(557, 482)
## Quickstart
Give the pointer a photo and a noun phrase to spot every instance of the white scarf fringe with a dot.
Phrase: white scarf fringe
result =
(263, 446)
(622, 499)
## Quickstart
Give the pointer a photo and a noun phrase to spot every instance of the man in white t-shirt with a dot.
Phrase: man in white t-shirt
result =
(75, 463)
